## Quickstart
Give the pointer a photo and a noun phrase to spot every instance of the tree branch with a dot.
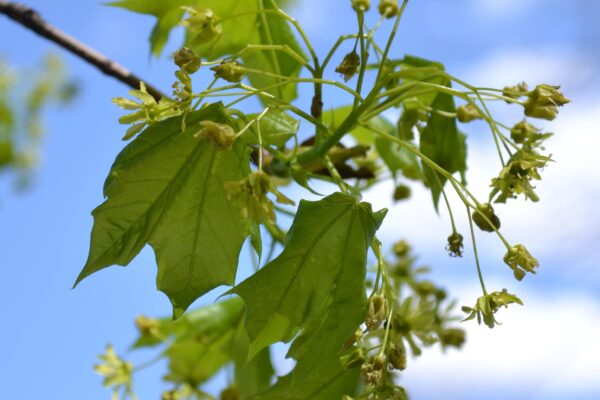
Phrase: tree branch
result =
(33, 21)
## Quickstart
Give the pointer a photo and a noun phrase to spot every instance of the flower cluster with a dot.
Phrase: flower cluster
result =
(515, 178)
(455, 244)
(231, 71)
(349, 66)
(488, 304)
(388, 8)
(397, 325)
(202, 25)
(520, 261)
(485, 218)
(543, 102)
(145, 112)
(250, 194)
(220, 135)
(117, 373)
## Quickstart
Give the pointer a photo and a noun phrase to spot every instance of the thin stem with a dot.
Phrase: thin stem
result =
(335, 174)
(269, 38)
(447, 203)
(262, 92)
(302, 34)
(307, 80)
(387, 330)
(201, 95)
(388, 45)
(363, 56)
(458, 187)
(479, 274)
(337, 44)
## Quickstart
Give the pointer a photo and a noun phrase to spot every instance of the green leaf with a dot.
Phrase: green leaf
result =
(207, 343)
(276, 128)
(167, 13)
(317, 282)
(416, 69)
(254, 376)
(444, 144)
(362, 134)
(203, 321)
(328, 380)
(273, 30)
(398, 158)
(167, 189)
(242, 24)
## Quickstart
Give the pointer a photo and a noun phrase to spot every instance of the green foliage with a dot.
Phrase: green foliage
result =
(328, 239)
(442, 143)
(24, 95)
(202, 177)
(166, 189)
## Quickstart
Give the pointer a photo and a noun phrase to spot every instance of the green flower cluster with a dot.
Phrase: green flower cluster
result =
(250, 194)
(396, 325)
(487, 305)
(117, 373)
(145, 112)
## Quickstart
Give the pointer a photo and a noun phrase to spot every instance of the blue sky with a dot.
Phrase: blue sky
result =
(545, 350)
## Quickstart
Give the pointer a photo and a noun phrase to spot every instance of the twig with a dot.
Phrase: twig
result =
(32, 20)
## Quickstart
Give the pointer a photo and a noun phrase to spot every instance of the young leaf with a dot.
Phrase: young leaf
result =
(444, 144)
(167, 13)
(204, 341)
(317, 282)
(167, 189)
(328, 380)
(361, 134)
(273, 30)
(276, 128)
(255, 375)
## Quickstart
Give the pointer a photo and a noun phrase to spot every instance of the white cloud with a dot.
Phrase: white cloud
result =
(547, 349)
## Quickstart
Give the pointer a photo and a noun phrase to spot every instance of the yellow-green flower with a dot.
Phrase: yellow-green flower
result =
(250, 194)
(520, 261)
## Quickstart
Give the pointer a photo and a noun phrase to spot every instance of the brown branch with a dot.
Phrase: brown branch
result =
(33, 21)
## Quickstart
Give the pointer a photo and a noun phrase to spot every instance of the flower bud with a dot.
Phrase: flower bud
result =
(514, 92)
(401, 248)
(425, 288)
(202, 25)
(186, 60)
(221, 135)
(388, 8)
(361, 5)
(543, 102)
(453, 337)
(397, 357)
(230, 71)
(171, 395)
(402, 192)
(487, 210)
(520, 260)
(231, 393)
(376, 313)
(349, 66)
(523, 131)
(372, 372)
(378, 362)
(354, 359)
(147, 326)
(455, 244)
(467, 113)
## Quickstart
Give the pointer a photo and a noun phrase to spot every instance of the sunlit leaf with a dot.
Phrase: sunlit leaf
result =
(317, 282)
(167, 189)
